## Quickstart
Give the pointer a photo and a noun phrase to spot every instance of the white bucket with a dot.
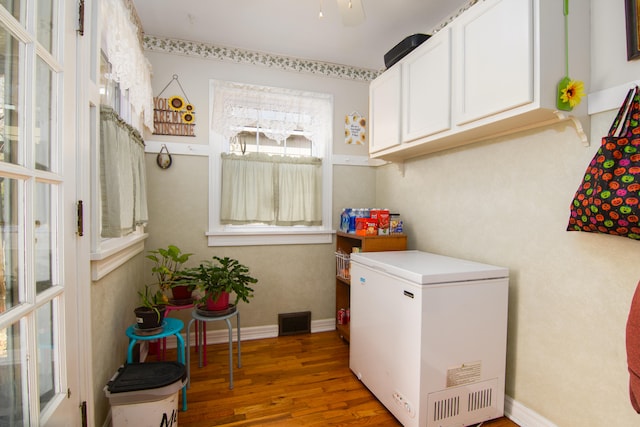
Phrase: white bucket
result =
(159, 413)
(145, 402)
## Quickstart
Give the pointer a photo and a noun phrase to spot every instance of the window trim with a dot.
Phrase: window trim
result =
(114, 252)
(235, 235)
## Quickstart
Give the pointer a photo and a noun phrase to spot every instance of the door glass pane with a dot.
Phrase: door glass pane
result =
(9, 96)
(13, 6)
(44, 112)
(44, 22)
(46, 359)
(13, 411)
(109, 89)
(44, 239)
(34, 375)
(10, 224)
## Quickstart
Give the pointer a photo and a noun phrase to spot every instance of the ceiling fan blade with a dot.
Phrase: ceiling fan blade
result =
(351, 11)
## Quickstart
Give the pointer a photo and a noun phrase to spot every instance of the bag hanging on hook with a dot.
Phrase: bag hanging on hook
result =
(608, 199)
(164, 158)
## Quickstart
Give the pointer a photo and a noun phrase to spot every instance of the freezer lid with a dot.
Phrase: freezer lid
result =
(425, 268)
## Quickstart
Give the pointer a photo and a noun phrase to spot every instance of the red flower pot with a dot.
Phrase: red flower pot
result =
(180, 293)
(221, 303)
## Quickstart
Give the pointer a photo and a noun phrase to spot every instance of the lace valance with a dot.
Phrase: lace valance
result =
(277, 112)
(130, 68)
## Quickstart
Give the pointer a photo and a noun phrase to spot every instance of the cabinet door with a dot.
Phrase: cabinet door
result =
(495, 48)
(385, 109)
(426, 87)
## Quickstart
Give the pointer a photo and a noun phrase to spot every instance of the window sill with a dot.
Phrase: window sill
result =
(115, 252)
(269, 237)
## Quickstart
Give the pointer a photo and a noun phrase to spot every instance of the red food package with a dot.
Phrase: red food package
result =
(372, 227)
(383, 222)
(366, 227)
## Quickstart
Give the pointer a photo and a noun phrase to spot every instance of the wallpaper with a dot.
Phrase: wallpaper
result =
(209, 51)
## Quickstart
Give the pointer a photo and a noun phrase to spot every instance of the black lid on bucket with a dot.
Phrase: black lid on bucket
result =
(144, 376)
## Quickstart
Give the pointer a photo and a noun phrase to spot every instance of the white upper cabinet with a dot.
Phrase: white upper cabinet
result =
(384, 110)
(426, 88)
(492, 71)
(494, 61)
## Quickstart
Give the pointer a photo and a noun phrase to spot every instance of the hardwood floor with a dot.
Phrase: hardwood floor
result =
(299, 380)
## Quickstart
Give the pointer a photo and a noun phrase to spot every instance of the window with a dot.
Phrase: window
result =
(118, 113)
(269, 170)
(251, 141)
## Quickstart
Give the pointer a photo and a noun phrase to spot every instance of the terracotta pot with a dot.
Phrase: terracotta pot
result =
(221, 303)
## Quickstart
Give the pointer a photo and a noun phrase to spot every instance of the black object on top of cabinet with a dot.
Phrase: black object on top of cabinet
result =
(403, 48)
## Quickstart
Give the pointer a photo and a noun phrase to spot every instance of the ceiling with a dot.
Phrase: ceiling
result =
(293, 27)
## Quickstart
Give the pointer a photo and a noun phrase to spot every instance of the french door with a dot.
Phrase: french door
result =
(38, 373)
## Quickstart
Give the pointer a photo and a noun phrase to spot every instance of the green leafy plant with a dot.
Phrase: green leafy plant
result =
(167, 263)
(152, 300)
(221, 275)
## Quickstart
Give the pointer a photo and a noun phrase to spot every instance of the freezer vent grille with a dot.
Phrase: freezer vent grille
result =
(480, 399)
(465, 405)
(446, 408)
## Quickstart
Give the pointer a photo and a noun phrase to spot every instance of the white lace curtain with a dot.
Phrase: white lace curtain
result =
(276, 111)
(274, 190)
(122, 176)
(130, 68)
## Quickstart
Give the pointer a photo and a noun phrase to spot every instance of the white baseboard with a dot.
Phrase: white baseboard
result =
(523, 416)
(218, 336)
(258, 332)
(253, 333)
(323, 325)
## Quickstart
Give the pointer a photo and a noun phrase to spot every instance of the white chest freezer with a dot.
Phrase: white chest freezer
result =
(428, 336)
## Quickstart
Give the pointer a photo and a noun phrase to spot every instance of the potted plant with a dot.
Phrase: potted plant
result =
(167, 263)
(152, 307)
(219, 278)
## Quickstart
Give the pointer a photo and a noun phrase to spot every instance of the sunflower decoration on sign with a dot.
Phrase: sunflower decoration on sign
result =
(177, 104)
(188, 116)
(174, 115)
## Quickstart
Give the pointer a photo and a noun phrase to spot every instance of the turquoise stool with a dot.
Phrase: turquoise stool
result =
(170, 327)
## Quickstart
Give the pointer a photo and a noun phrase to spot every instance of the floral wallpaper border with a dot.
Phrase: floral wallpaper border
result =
(209, 51)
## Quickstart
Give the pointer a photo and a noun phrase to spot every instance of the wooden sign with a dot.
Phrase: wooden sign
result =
(172, 116)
